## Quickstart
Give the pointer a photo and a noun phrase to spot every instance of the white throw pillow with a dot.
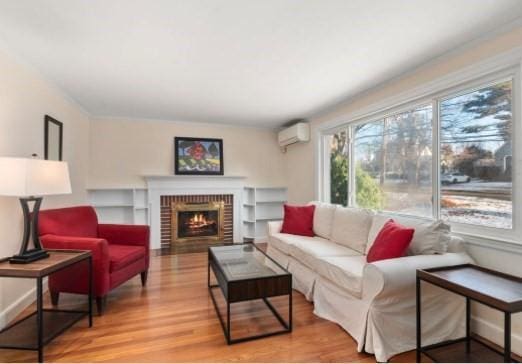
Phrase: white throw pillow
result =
(430, 237)
(323, 218)
(351, 227)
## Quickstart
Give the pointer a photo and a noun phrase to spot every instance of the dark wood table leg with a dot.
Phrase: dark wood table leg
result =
(507, 337)
(228, 323)
(468, 325)
(39, 318)
(290, 309)
(91, 284)
(418, 319)
(208, 272)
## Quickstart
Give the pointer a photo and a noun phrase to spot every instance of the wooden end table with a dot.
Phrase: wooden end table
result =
(491, 288)
(37, 329)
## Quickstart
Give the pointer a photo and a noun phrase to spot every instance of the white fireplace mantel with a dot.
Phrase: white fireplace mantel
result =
(170, 185)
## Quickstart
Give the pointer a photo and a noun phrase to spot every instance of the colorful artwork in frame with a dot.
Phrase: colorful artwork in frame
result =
(199, 156)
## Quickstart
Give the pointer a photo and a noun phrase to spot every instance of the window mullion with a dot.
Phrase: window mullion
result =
(435, 174)
(351, 168)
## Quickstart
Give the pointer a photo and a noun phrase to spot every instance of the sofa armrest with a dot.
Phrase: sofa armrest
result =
(392, 278)
(125, 234)
(274, 227)
(97, 247)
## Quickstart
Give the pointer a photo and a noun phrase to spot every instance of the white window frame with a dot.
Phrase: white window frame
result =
(477, 76)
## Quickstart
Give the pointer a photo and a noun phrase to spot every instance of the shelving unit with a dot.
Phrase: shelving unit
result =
(120, 205)
(261, 205)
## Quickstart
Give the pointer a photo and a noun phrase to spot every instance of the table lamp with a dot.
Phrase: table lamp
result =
(30, 179)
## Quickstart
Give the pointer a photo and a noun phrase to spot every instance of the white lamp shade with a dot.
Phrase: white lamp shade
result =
(24, 177)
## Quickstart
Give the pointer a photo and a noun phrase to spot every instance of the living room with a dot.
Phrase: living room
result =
(335, 155)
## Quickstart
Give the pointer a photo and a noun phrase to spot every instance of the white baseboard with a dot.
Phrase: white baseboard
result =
(15, 308)
(495, 334)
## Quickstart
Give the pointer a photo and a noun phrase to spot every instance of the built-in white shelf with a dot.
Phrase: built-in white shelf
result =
(120, 205)
(261, 205)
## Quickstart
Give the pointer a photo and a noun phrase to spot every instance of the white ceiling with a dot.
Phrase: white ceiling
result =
(249, 62)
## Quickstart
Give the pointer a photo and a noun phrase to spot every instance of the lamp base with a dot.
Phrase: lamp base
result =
(29, 256)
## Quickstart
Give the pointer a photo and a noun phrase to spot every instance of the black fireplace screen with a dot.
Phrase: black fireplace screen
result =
(198, 223)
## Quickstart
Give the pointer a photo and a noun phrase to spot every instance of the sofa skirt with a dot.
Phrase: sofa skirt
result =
(333, 303)
(386, 326)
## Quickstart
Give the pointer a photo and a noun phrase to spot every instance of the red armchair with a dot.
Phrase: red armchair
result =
(119, 251)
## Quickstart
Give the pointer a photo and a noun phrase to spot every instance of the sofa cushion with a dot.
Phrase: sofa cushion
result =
(391, 242)
(351, 227)
(323, 219)
(309, 252)
(346, 272)
(282, 241)
(430, 237)
(298, 220)
(121, 256)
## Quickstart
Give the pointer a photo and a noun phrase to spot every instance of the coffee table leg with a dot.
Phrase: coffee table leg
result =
(90, 290)
(228, 323)
(39, 318)
(507, 337)
(468, 324)
(290, 311)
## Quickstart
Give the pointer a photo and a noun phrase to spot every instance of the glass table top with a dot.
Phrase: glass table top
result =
(245, 261)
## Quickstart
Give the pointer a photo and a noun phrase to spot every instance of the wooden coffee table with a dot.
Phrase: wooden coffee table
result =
(491, 288)
(244, 273)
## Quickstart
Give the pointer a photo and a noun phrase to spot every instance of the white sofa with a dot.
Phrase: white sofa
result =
(373, 302)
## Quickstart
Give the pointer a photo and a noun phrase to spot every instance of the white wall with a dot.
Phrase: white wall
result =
(24, 100)
(123, 151)
(300, 160)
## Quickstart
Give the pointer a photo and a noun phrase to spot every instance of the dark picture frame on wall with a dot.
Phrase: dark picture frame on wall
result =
(53, 139)
(198, 156)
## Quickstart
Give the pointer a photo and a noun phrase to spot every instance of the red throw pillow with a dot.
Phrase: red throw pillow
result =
(299, 220)
(391, 242)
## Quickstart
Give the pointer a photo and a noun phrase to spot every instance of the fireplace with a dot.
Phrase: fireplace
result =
(197, 221)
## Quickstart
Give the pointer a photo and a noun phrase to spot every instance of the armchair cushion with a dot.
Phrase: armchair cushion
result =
(121, 256)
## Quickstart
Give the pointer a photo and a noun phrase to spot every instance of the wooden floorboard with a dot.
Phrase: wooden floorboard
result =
(173, 320)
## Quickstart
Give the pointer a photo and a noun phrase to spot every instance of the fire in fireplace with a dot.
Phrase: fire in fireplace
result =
(197, 223)
(192, 221)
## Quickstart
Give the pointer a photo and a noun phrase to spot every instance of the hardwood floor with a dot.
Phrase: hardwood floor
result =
(173, 320)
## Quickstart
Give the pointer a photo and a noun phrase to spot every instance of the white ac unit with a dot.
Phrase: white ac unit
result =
(297, 133)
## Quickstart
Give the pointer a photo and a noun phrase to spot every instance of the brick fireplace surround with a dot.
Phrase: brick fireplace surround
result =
(163, 190)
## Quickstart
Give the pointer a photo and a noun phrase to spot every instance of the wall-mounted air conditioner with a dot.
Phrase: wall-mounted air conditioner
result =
(297, 133)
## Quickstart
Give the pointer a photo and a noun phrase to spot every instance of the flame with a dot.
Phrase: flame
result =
(199, 220)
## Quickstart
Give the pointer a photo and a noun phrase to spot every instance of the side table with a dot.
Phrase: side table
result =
(497, 290)
(36, 330)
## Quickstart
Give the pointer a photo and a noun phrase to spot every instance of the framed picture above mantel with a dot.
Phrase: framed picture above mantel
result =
(198, 156)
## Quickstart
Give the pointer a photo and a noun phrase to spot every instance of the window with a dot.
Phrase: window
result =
(393, 162)
(476, 153)
(338, 147)
(449, 156)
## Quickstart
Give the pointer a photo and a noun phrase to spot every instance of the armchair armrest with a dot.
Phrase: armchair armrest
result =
(274, 227)
(98, 247)
(395, 278)
(125, 234)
